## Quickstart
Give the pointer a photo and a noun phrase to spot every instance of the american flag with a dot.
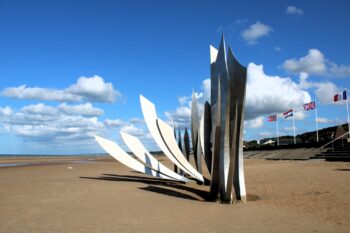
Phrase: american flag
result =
(272, 118)
(309, 106)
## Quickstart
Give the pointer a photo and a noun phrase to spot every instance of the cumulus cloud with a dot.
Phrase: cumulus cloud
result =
(292, 10)
(114, 123)
(312, 63)
(40, 108)
(181, 116)
(265, 95)
(299, 113)
(324, 90)
(41, 122)
(255, 31)
(132, 129)
(270, 94)
(136, 120)
(5, 111)
(82, 109)
(38, 93)
(255, 123)
(315, 63)
(92, 89)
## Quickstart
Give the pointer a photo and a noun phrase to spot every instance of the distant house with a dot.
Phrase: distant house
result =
(269, 142)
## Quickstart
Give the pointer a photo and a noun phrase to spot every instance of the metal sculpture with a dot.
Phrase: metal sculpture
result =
(195, 134)
(119, 154)
(138, 149)
(216, 136)
(228, 84)
(186, 148)
(163, 135)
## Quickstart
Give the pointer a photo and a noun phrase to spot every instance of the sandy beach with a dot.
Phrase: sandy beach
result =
(81, 195)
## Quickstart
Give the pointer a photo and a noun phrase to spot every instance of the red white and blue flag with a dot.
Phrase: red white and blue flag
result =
(341, 96)
(309, 106)
(272, 118)
(287, 114)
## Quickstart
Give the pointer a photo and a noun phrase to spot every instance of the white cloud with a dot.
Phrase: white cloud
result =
(41, 122)
(133, 130)
(40, 108)
(94, 89)
(299, 114)
(82, 109)
(271, 94)
(255, 123)
(86, 89)
(255, 31)
(114, 123)
(136, 120)
(181, 116)
(292, 10)
(206, 87)
(324, 120)
(312, 63)
(339, 70)
(315, 63)
(5, 111)
(38, 93)
(265, 95)
(324, 90)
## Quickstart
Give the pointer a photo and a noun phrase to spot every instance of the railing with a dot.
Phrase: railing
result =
(333, 140)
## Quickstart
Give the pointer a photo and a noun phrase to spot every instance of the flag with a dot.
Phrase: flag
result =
(309, 106)
(337, 97)
(287, 114)
(272, 118)
(341, 96)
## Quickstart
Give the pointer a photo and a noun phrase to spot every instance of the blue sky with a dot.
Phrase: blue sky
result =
(71, 69)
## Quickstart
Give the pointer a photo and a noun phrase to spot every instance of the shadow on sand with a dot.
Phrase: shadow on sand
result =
(343, 169)
(161, 186)
(165, 187)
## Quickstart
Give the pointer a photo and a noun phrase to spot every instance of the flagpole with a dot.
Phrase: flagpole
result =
(278, 142)
(347, 110)
(316, 120)
(294, 128)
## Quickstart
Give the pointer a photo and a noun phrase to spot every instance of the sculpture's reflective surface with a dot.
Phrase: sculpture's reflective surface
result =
(216, 135)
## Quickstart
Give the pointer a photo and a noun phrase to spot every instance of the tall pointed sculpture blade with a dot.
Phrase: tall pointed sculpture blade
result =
(166, 132)
(238, 79)
(220, 72)
(201, 131)
(175, 167)
(213, 54)
(194, 132)
(206, 135)
(228, 83)
(162, 138)
(186, 148)
(119, 154)
(143, 154)
(179, 143)
(215, 173)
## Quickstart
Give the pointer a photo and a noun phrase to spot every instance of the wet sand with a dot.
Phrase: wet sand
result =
(62, 195)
